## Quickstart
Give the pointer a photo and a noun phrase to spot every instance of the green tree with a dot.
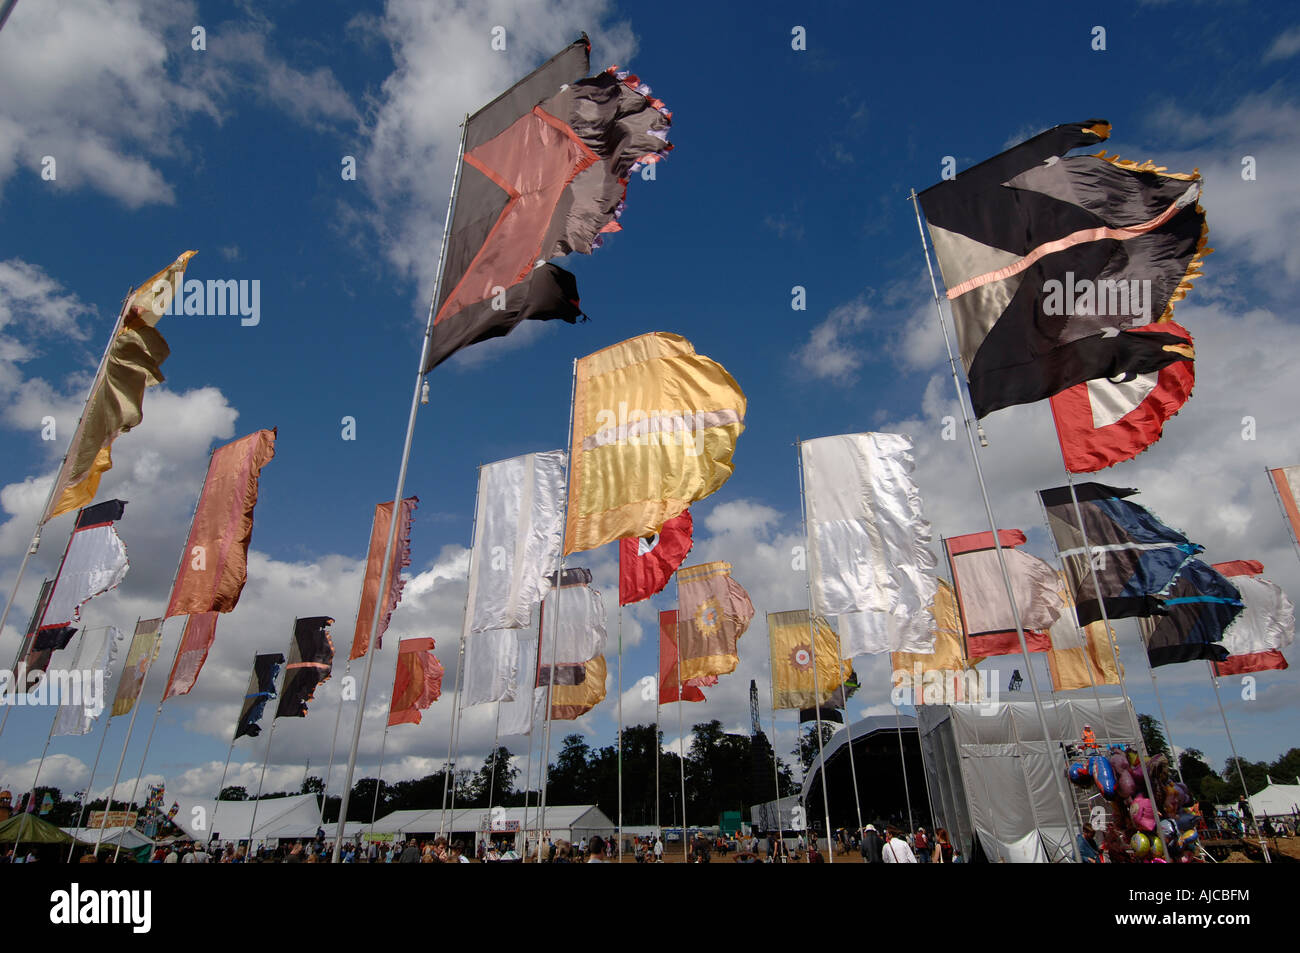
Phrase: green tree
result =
(1153, 737)
(312, 785)
(808, 749)
(569, 779)
(493, 786)
(1286, 769)
(233, 792)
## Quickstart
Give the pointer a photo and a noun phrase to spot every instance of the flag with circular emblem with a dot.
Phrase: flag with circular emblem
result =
(796, 646)
(713, 613)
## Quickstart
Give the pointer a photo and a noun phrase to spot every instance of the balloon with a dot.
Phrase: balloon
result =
(1132, 758)
(1188, 838)
(1141, 844)
(1119, 764)
(1125, 786)
(1187, 821)
(1142, 812)
(1078, 773)
(1157, 847)
(1101, 772)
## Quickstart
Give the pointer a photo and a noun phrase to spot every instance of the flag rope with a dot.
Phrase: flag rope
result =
(397, 502)
(1066, 803)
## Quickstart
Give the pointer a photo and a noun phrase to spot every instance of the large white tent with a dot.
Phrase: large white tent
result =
(297, 816)
(1276, 800)
(563, 822)
(128, 837)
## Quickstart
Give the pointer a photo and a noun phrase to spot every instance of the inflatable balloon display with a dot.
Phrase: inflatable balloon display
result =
(1141, 844)
(1102, 774)
(1078, 773)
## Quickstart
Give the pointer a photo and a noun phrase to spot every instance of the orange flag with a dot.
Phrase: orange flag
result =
(214, 565)
(418, 682)
(374, 565)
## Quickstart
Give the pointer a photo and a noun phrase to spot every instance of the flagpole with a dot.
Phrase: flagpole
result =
(902, 760)
(559, 582)
(1236, 760)
(776, 772)
(81, 814)
(1286, 517)
(620, 731)
(397, 502)
(659, 754)
(492, 774)
(76, 665)
(44, 594)
(532, 721)
(1066, 803)
(965, 649)
(43, 610)
(812, 645)
(222, 786)
(453, 735)
(347, 673)
(1143, 753)
(54, 485)
(681, 731)
(379, 781)
(48, 738)
(252, 824)
(1164, 720)
(848, 727)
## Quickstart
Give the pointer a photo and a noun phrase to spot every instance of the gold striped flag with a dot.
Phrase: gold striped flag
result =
(654, 429)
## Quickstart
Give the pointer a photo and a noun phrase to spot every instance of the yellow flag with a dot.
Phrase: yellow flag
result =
(116, 404)
(1079, 660)
(570, 700)
(792, 661)
(654, 429)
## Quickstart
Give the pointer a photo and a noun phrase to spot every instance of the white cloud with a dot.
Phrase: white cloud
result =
(1285, 46)
(830, 353)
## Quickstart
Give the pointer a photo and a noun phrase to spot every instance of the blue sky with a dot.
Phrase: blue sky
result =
(790, 168)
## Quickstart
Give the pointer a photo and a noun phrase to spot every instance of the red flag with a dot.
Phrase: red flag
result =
(1101, 423)
(1267, 622)
(374, 567)
(200, 632)
(646, 565)
(214, 565)
(668, 665)
(418, 682)
(986, 616)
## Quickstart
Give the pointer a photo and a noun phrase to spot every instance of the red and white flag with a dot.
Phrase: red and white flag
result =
(1266, 625)
(646, 565)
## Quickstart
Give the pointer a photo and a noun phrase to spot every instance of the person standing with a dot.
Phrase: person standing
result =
(659, 850)
(896, 850)
(922, 846)
(871, 845)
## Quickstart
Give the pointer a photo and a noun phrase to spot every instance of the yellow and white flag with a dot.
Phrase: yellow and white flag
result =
(654, 429)
(794, 650)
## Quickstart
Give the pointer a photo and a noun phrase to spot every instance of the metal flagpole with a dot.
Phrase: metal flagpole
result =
(492, 775)
(325, 788)
(54, 485)
(659, 754)
(620, 731)
(19, 668)
(1286, 517)
(222, 786)
(1236, 760)
(681, 731)
(848, 727)
(1164, 720)
(812, 645)
(776, 772)
(902, 760)
(41, 611)
(252, 824)
(81, 814)
(130, 725)
(379, 780)
(1143, 753)
(397, 503)
(1072, 846)
(453, 736)
(532, 721)
(559, 581)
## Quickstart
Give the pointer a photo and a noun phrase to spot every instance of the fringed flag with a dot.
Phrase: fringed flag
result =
(94, 563)
(261, 689)
(311, 659)
(1198, 608)
(196, 641)
(417, 683)
(401, 558)
(545, 173)
(1052, 263)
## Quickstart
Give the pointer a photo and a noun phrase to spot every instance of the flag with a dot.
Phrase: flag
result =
(869, 561)
(214, 564)
(545, 173)
(116, 403)
(417, 683)
(986, 615)
(1286, 480)
(1102, 422)
(668, 683)
(574, 617)
(793, 654)
(948, 660)
(528, 704)
(401, 558)
(261, 689)
(196, 641)
(1254, 641)
(47, 804)
(1051, 263)
(1080, 658)
(491, 667)
(518, 527)
(646, 564)
(155, 799)
(145, 644)
(714, 612)
(832, 710)
(31, 660)
(311, 659)
(95, 655)
(654, 429)
(1199, 608)
(94, 563)
(580, 691)
(1136, 556)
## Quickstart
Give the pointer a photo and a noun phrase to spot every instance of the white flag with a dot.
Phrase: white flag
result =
(528, 703)
(491, 666)
(83, 695)
(574, 617)
(868, 555)
(517, 537)
(95, 562)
